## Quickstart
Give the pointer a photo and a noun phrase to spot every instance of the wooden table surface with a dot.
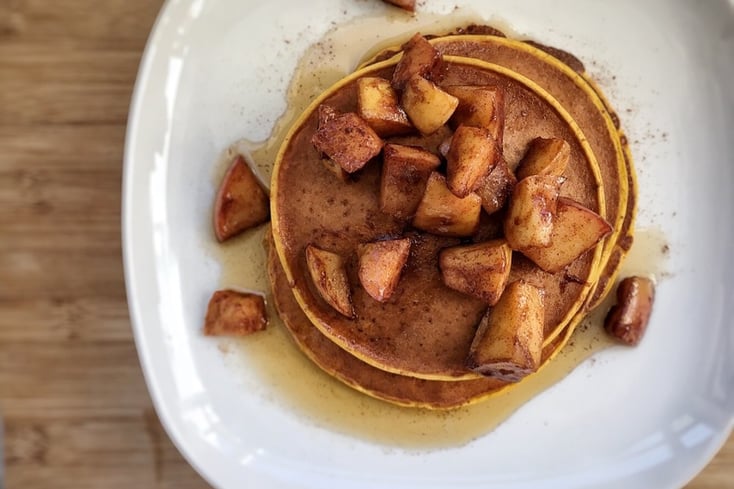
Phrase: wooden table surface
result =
(76, 409)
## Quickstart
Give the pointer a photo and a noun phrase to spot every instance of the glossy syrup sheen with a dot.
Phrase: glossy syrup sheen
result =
(288, 378)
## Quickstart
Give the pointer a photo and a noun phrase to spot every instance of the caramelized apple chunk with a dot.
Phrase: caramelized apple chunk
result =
(545, 157)
(496, 188)
(377, 103)
(405, 172)
(241, 202)
(627, 321)
(508, 343)
(428, 107)
(576, 229)
(420, 59)
(347, 140)
(473, 153)
(442, 213)
(529, 220)
(480, 106)
(329, 276)
(232, 313)
(325, 114)
(380, 266)
(480, 270)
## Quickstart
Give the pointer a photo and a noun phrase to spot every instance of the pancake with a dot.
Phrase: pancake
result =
(425, 330)
(394, 388)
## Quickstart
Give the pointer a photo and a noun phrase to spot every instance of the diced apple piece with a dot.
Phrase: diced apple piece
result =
(380, 265)
(472, 155)
(408, 5)
(329, 275)
(241, 202)
(441, 212)
(420, 58)
(529, 220)
(405, 172)
(326, 113)
(508, 343)
(576, 230)
(496, 187)
(348, 141)
(377, 103)
(232, 313)
(545, 157)
(627, 320)
(480, 106)
(479, 270)
(428, 107)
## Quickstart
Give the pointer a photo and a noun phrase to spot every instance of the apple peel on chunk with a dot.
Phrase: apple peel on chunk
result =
(329, 276)
(241, 203)
(380, 266)
(408, 5)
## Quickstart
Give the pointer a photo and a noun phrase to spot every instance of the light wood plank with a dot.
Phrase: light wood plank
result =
(60, 187)
(104, 25)
(62, 272)
(72, 62)
(61, 147)
(70, 378)
(73, 318)
(109, 452)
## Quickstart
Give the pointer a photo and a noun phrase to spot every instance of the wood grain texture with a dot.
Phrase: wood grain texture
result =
(76, 410)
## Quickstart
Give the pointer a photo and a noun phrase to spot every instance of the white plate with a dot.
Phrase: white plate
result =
(216, 71)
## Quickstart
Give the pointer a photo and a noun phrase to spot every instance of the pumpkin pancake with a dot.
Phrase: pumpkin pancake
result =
(425, 329)
(394, 388)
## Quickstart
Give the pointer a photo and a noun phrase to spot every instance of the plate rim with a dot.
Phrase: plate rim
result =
(143, 349)
(136, 316)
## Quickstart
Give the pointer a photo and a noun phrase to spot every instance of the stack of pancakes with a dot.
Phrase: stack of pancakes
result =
(412, 349)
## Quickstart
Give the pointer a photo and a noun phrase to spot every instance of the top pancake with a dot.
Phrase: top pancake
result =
(425, 329)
